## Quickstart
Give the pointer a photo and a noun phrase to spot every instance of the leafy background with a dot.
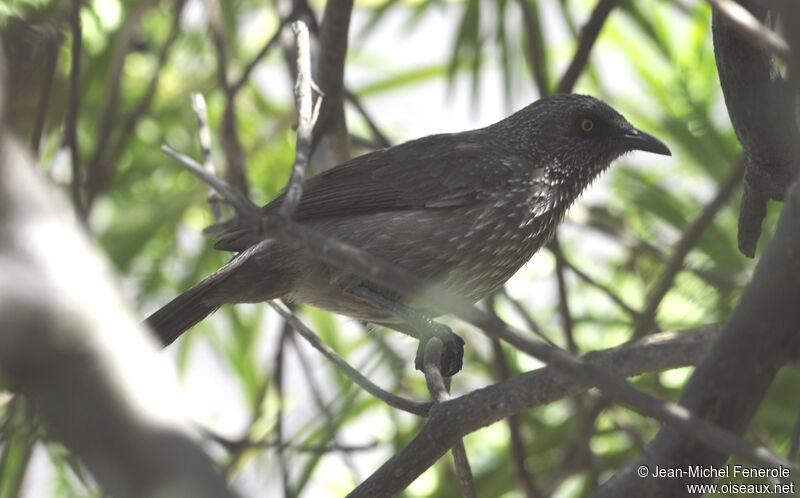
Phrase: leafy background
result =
(277, 417)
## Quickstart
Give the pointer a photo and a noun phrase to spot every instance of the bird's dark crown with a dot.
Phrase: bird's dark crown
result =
(575, 134)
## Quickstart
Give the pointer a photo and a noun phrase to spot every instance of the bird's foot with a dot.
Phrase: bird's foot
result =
(452, 352)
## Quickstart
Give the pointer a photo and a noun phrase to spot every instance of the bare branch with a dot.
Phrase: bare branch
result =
(305, 123)
(744, 23)
(390, 399)
(761, 106)
(71, 346)
(730, 383)
(333, 49)
(240, 203)
(229, 129)
(530, 323)
(204, 134)
(248, 69)
(379, 137)
(588, 36)
(440, 391)
(538, 387)
(518, 454)
(103, 163)
(563, 300)
(603, 288)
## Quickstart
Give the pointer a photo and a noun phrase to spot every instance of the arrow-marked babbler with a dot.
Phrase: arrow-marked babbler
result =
(463, 210)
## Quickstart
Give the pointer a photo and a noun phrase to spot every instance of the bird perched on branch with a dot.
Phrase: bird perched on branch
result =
(463, 210)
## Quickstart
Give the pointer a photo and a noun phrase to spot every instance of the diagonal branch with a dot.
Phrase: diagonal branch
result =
(536, 388)
(689, 239)
(248, 69)
(390, 399)
(747, 26)
(588, 37)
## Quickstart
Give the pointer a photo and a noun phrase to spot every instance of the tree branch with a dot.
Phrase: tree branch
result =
(229, 129)
(536, 388)
(588, 36)
(71, 346)
(439, 388)
(390, 399)
(749, 27)
(761, 107)
(305, 120)
(729, 384)
(330, 77)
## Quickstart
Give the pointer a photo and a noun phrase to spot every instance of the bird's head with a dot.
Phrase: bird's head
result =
(577, 136)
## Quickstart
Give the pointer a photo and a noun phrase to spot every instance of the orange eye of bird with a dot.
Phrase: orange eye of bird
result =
(587, 125)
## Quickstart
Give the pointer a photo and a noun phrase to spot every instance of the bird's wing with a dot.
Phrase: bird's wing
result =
(433, 172)
(436, 171)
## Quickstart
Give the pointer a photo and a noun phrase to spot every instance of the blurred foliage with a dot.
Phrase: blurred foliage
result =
(653, 61)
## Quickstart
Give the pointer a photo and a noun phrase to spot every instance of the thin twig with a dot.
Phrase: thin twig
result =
(433, 374)
(605, 289)
(237, 446)
(204, 134)
(103, 163)
(377, 134)
(563, 300)
(584, 425)
(96, 171)
(280, 356)
(229, 130)
(588, 37)
(390, 399)
(332, 423)
(530, 323)
(305, 120)
(439, 389)
(239, 83)
(517, 450)
(240, 203)
(749, 27)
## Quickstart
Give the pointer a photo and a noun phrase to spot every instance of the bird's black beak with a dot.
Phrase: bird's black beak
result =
(638, 140)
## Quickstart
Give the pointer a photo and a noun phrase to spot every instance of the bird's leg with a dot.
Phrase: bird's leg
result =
(420, 327)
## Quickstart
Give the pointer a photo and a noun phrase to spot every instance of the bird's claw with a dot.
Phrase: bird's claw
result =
(452, 351)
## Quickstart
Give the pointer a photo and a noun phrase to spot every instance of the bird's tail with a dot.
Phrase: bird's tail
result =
(183, 312)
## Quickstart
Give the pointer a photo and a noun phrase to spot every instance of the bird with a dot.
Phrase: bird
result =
(463, 210)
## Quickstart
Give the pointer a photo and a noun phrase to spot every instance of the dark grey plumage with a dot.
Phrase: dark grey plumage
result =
(464, 210)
